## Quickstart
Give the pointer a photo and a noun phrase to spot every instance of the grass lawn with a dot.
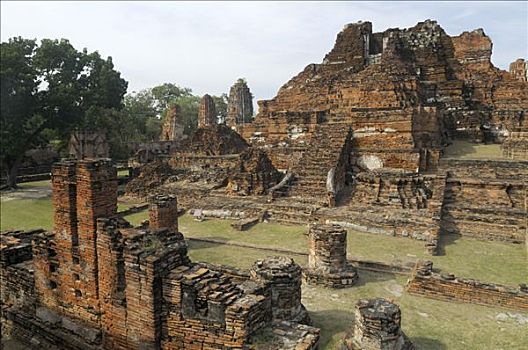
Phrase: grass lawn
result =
(429, 323)
(27, 208)
(465, 257)
(26, 214)
(468, 150)
(487, 261)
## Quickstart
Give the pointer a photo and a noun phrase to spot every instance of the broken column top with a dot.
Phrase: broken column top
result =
(161, 200)
(276, 267)
(152, 244)
(379, 308)
(377, 327)
(328, 229)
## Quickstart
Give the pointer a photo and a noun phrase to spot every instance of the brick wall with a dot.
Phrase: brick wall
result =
(431, 284)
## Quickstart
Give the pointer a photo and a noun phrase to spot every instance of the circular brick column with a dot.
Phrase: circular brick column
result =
(328, 248)
(283, 276)
(327, 263)
(377, 326)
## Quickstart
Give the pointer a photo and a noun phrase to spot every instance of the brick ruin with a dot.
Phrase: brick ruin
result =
(377, 327)
(519, 69)
(428, 282)
(239, 104)
(358, 140)
(284, 277)
(515, 146)
(207, 112)
(96, 282)
(327, 260)
(163, 212)
(172, 129)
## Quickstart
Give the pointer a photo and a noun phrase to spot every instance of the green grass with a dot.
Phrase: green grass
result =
(34, 184)
(263, 234)
(137, 218)
(26, 214)
(465, 257)
(467, 150)
(231, 256)
(122, 173)
(430, 324)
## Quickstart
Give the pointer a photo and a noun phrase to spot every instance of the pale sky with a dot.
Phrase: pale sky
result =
(208, 45)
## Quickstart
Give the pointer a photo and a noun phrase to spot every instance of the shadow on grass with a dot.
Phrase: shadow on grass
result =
(444, 240)
(331, 322)
(428, 343)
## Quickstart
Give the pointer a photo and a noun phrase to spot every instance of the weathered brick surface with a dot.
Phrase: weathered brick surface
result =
(206, 112)
(284, 277)
(431, 284)
(485, 199)
(377, 327)
(327, 261)
(163, 212)
(239, 104)
(172, 129)
(519, 69)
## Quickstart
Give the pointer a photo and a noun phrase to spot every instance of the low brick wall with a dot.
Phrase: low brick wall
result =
(432, 284)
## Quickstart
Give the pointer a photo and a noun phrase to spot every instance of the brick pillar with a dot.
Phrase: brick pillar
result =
(163, 212)
(327, 261)
(148, 260)
(112, 283)
(96, 198)
(328, 248)
(284, 277)
(54, 254)
(377, 326)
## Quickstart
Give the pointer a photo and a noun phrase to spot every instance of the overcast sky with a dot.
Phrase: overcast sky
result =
(208, 45)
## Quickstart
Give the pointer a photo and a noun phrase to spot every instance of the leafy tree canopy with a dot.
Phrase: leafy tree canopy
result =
(51, 89)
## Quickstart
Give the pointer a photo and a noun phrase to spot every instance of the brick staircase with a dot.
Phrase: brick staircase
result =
(323, 153)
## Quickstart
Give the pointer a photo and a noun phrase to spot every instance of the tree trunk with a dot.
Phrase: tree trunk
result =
(12, 172)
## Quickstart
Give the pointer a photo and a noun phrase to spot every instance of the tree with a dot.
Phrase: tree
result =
(221, 107)
(20, 126)
(149, 108)
(52, 89)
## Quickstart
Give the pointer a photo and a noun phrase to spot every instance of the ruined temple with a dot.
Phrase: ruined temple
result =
(519, 69)
(359, 140)
(96, 282)
(207, 112)
(239, 104)
(172, 129)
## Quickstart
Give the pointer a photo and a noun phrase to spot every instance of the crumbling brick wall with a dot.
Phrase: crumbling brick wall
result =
(66, 269)
(431, 284)
(485, 199)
